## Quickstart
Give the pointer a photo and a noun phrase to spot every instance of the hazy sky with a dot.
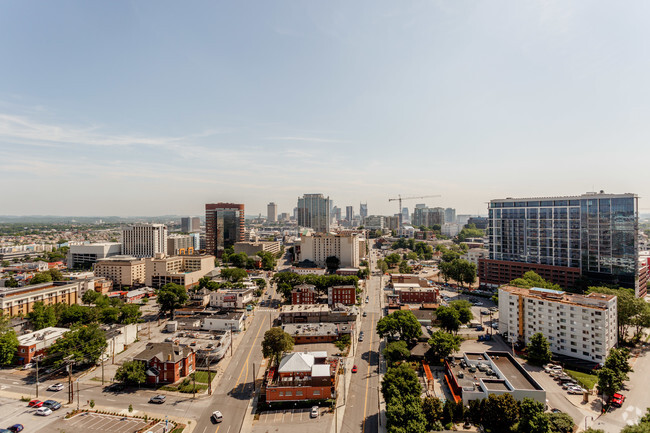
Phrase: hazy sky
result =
(157, 107)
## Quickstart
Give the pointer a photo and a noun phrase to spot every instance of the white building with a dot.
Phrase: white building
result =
(144, 240)
(86, 255)
(374, 222)
(318, 247)
(232, 298)
(451, 229)
(580, 326)
(231, 321)
(474, 254)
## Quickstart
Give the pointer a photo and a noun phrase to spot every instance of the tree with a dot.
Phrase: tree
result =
(432, 408)
(41, 277)
(382, 266)
(332, 263)
(628, 307)
(539, 350)
(528, 409)
(470, 231)
(8, 342)
(404, 267)
(592, 430)
(11, 282)
(90, 297)
(618, 361)
(640, 321)
(239, 260)
(609, 381)
(464, 309)
(560, 422)
(444, 344)
(396, 351)
(449, 318)
(130, 313)
(639, 428)
(131, 373)
(234, 275)
(399, 382)
(392, 259)
(82, 344)
(539, 423)
(276, 342)
(56, 275)
(109, 315)
(170, 297)
(77, 314)
(268, 260)
(41, 316)
(501, 412)
(530, 279)
(402, 324)
(405, 415)
(261, 283)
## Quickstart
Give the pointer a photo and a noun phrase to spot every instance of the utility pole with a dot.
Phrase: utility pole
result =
(77, 394)
(36, 358)
(209, 377)
(70, 388)
(194, 384)
(102, 369)
(231, 339)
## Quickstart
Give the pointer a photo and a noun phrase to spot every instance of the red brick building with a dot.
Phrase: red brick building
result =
(302, 376)
(167, 362)
(497, 272)
(303, 294)
(346, 295)
(417, 295)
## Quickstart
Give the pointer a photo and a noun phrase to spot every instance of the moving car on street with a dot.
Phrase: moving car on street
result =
(158, 399)
(216, 416)
(55, 387)
(44, 411)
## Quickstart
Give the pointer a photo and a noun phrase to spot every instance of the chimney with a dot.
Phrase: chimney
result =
(169, 357)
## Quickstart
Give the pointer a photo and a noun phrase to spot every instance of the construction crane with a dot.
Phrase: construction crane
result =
(400, 198)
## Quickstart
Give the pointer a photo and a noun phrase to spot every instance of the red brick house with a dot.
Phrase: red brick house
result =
(346, 295)
(417, 295)
(303, 294)
(167, 362)
(302, 376)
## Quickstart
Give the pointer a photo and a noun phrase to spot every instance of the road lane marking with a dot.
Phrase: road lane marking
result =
(249, 354)
(217, 430)
(365, 402)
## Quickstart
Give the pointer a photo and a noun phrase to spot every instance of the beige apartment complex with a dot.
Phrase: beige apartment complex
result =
(318, 247)
(122, 270)
(183, 270)
(20, 300)
(252, 248)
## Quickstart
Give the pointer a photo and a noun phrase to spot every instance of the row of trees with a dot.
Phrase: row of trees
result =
(633, 313)
(458, 270)
(615, 371)
(456, 314)
(47, 277)
(242, 260)
(470, 231)
(422, 250)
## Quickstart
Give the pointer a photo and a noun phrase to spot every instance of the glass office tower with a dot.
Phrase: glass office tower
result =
(314, 212)
(594, 234)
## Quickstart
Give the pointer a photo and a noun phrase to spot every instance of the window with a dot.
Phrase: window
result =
(288, 394)
(281, 394)
(316, 392)
(298, 393)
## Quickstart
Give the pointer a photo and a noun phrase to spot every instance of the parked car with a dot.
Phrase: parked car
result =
(44, 411)
(575, 390)
(158, 399)
(617, 400)
(365, 314)
(216, 416)
(55, 387)
(354, 369)
(54, 405)
(35, 403)
(556, 410)
(28, 366)
(314, 412)
(16, 428)
(4, 430)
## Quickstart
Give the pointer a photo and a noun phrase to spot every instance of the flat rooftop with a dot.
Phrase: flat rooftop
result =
(592, 300)
(41, 335)
(506, 369)
(513, 373)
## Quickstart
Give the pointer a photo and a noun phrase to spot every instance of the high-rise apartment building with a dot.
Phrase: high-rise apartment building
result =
(336, 213)
(450, 215)
(593, 235)
(271, 212)
(363, 211)
(180, 244)
(579, 326)
(349, 213)
(190, 224)
(405, 215)
(320, 246)
(224, 225)
(144, 240)
(314, 212)
(428, 217)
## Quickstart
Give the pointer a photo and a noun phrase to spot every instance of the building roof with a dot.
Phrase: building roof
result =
(320, 370)
(592, 300)
(296, 363)
(164, 352)
(51, 333)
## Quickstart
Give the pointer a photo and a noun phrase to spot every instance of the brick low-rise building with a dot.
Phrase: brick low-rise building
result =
(302, 376)
(36, 343)
(346, 295)
(303, 294)
(417, 295)
(167, 362)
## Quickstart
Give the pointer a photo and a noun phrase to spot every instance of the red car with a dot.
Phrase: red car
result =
(617, 400)
(35, 403)
(354, 369)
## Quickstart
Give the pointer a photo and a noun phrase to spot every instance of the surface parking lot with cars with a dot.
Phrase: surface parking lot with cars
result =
(294, 420)
(94, 422)
(18, 412)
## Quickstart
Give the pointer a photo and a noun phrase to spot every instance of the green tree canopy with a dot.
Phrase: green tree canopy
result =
(560, 422)
(539, 350)
(449, 318)
(609, 381)
(400, 324)
(11, 282)
(83, 344)
(432, 408)
(130, 313)
(501, 412)
(77, 314)
(8, 342)
(618, 361)
(41, 316)
(396, 351)
(41, 277)
(90, 297)
(392, 259)
(444, 344)
(405, 415)
(276, 342)
(399, 382)
(528, 409)
(131, 373)
(234, 275)
(268, 260)
(464, 308)
(530, 279)
(171, 297)
(628, 307)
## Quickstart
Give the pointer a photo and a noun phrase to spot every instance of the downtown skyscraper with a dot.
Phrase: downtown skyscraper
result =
(224, 225)
(314, 212)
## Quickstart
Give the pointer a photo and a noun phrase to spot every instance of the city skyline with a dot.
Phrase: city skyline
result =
(117, 107)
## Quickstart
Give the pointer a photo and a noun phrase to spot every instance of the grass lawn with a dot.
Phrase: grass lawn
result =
(586, 380)
(202, 376)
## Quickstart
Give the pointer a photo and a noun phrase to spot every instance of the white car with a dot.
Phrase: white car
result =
(314, 412)
(216, 416)
(575, 390)
(55, 387)
(43, 411)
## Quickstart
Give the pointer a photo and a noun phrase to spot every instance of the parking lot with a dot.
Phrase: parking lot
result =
(93, 422)
(17, 412)
(293, 420)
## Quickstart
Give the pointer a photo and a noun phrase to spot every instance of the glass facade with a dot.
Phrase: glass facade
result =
(596, 233)
(314, 212)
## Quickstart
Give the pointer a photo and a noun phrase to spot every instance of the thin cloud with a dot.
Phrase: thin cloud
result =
(310, 139)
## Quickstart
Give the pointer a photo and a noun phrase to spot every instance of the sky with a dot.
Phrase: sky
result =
(158, 107)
